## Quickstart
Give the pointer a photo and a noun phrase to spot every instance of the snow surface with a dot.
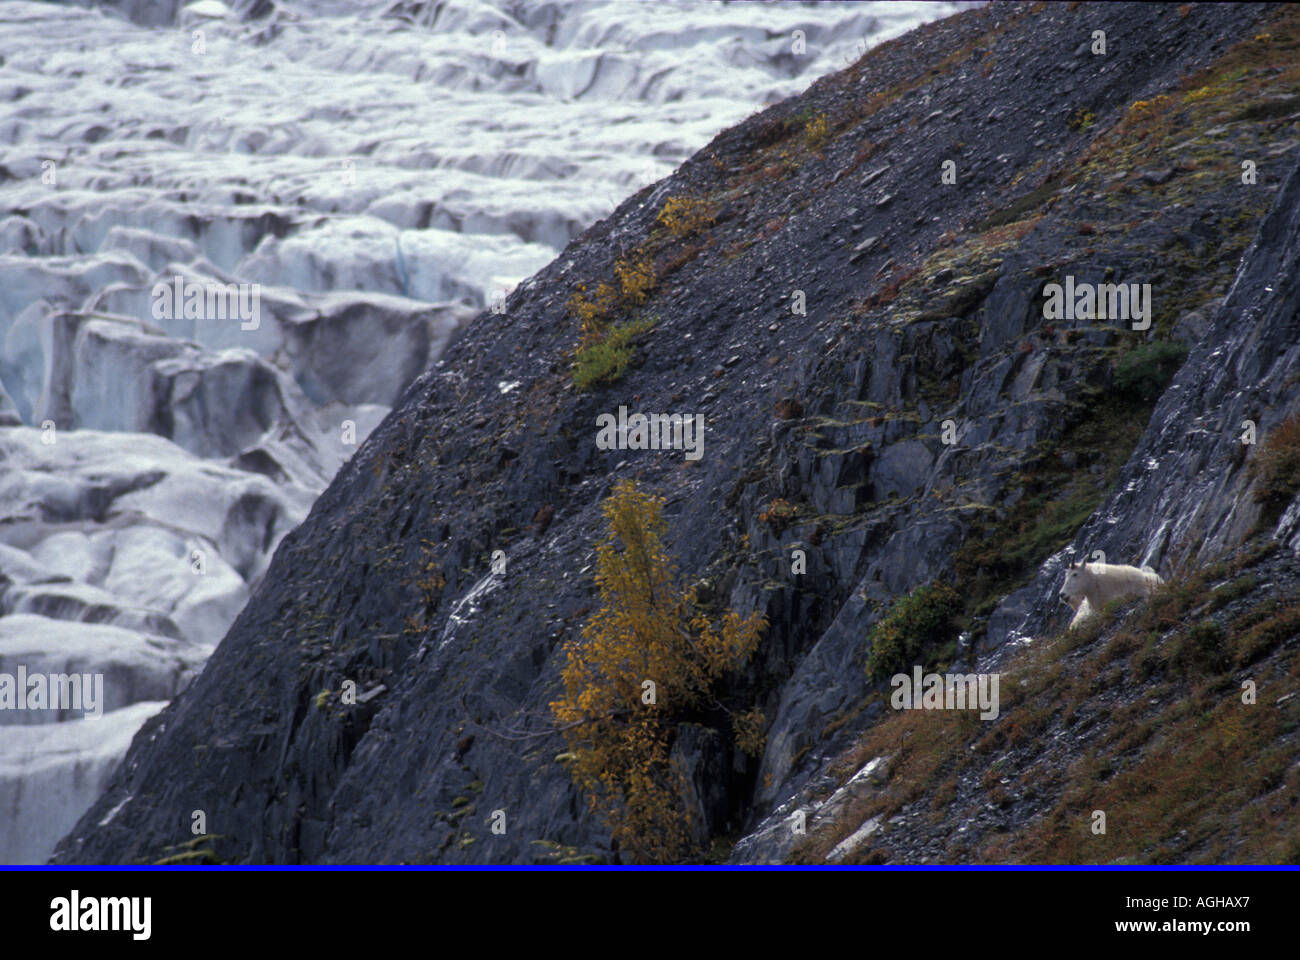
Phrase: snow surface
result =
(382, 170)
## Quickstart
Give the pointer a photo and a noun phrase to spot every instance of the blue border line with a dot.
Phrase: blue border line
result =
(905, 868)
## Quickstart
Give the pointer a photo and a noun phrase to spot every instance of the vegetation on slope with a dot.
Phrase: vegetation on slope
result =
(1179, 719)
(1277, 467)
(647, 660)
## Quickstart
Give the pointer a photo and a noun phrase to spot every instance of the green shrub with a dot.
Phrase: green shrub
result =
(605, 361)
(920, 625)
(1147, 660)
(1142, 374)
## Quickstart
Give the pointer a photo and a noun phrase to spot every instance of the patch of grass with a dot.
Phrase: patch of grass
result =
(192, 858)
(1200, 777)
(888, 293)
(1185, 772)
(1276, 468)
(962, 299)
(196, 852)
(1034, 202)
(923, 750)
(1121, 646)
(1224, 595)
(681, 258)
(737, 249)
(1201, 649)
(973, 266)
(604, 361)
(1266, 636)
(999, 554)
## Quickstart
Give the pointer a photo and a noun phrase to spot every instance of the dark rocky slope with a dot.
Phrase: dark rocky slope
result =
(1140, 714)
(824, 433)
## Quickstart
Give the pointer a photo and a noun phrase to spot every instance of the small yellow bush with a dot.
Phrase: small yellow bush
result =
(645, 631)
(591, 314)
(1144, 116)
(817, 131)
(683, 216)
(636, 277)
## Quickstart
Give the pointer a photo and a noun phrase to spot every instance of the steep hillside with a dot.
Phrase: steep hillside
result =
(1177, 717)
(881, 390)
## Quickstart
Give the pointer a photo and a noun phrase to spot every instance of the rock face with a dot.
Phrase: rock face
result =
(911, 406)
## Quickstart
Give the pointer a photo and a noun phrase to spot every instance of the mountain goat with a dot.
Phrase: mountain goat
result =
(1082, 610)
(1088, 587)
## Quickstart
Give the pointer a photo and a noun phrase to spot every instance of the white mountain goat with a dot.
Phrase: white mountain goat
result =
(1088, 587)
(1082, 610)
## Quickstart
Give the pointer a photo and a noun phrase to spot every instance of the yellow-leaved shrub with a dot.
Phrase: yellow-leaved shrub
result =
(619, 728)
